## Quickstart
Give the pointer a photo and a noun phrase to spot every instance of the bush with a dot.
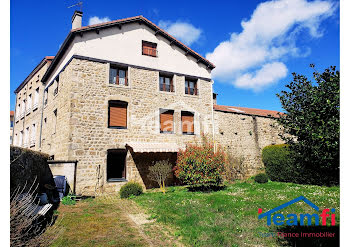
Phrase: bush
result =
(130, 188)
(160, 172)
(200, 165)
(278, 163)
(68, 200)
(261, 178)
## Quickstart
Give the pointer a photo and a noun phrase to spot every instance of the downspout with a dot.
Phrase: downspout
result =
(212, 115)
(42, 116)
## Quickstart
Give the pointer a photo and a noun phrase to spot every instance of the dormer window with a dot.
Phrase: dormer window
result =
(118, 76)
(149, 49)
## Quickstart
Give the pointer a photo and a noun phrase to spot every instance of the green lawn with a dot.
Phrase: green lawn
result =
(230, 217)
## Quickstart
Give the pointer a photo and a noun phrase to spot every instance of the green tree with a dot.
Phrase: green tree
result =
(311, 122)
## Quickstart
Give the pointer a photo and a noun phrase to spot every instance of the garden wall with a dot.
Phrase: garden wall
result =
(28, 167)
(244, 137)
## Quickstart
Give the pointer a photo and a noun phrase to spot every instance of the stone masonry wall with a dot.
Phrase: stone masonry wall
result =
(90, 137)
(244, 137)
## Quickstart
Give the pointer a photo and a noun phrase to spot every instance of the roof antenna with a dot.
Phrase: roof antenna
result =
(80, 4)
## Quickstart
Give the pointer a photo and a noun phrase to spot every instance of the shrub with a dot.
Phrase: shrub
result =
(261, 178)
(234, 168)
(130, 188)
(160, 172)
(68, 200)
(278, 163)
(201, 165)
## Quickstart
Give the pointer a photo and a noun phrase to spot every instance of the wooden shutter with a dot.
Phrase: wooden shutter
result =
(187, 120)
(117, 115)
(167, 121)
(149, 48)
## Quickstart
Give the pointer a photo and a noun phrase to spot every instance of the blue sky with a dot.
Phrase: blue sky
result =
(256, 45)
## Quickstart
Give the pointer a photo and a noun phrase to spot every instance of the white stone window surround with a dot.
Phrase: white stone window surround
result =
(33, 135)
(36, 99)
(29, 104)
(129, 79)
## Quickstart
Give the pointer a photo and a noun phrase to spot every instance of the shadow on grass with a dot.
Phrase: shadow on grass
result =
(208, 188)
(309, 236)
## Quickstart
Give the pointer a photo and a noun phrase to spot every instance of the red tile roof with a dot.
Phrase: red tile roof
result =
(12, 113)
(247, 111)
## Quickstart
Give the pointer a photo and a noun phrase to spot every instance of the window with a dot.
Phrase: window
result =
(166, 83)
(116, 164)
(23, 108)
(45, 97)
(33, 136)
(191, 87)
(54, 120)
(166, 121)
(26, 137)
(118, 76)
(20, 142)
(36, 99)
(187, 121)
(117, 114)
(149, 49)
(18, 110)
(29, 103)
(55, 91)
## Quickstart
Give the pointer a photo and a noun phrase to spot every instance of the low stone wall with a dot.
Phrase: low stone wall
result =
(29, 167)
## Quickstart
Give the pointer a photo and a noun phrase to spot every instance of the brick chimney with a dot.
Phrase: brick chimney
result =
(77, 19)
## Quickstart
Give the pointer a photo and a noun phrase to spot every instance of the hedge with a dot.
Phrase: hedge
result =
(278, 163)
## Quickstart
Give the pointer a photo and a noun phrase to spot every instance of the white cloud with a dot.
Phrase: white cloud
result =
(185, 32)
(268, 74)
(248, 58)
(96, 20)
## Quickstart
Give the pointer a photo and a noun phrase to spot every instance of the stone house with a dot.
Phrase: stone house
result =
(122, 94)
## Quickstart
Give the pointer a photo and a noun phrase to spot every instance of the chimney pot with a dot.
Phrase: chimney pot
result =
(77, 19)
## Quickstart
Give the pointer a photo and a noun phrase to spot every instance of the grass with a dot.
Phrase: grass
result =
(94, 222)
(230, 217)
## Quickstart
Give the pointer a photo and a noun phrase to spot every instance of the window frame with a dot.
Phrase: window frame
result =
(163, 85)
(118, 68)
(121, 103)
(182, 131)
(122, 179)
(143, 43)
(161, 110)
(188, 89)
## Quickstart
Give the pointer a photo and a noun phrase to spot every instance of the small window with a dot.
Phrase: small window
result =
(166, 118)
(116, 165)
(55, 91)
(166, 83)
(55, 120)
(117, 114)
(191, 87)
(187, 121)
(149, 49)
(118, 76)
(46, 97)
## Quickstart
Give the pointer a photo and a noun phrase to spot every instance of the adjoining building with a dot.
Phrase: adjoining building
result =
(122, 94)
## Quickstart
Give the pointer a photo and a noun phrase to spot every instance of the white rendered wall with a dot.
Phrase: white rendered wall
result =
(125, 46)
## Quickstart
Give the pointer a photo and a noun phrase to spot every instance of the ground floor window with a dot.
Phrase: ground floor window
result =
(116, 165)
